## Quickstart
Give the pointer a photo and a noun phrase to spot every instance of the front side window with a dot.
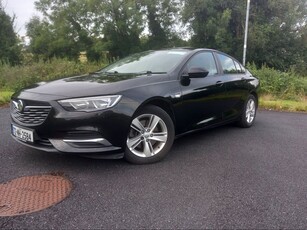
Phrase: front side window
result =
(203, 60)
(227, 64)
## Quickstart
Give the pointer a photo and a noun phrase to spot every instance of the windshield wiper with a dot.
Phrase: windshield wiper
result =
(148, 72)
(109, 72)
(105, 72)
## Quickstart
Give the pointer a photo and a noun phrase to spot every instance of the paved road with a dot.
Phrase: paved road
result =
(222, 178)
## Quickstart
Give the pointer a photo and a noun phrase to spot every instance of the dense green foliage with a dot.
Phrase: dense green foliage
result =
(277, 42)
(277, 34)
(95, 26)
(281, 85)
(9, 49)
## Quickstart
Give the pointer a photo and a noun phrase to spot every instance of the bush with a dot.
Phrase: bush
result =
(281, 85)
(17, 77)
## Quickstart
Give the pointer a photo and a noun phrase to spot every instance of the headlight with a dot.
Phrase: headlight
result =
(90, 104)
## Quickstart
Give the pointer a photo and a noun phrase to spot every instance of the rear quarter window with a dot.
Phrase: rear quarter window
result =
(227, 63)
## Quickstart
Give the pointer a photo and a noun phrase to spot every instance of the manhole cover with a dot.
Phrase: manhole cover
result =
(33, 193)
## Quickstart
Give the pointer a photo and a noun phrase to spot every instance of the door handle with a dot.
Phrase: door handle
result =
(219, 83)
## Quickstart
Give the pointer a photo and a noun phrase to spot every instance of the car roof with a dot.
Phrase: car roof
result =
(191, 49)
(195, 50)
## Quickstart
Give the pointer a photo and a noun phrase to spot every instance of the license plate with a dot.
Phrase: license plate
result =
(22, 134)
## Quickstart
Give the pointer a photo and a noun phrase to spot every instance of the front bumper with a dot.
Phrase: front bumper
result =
(96, 148)
(100, 133)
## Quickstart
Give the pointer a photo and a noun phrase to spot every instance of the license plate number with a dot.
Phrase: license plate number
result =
(22, 134)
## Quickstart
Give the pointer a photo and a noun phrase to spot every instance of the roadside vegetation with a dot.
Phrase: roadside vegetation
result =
(284, 91)
(105, 30)
(280, 85)
(14, 78)
(282, 105)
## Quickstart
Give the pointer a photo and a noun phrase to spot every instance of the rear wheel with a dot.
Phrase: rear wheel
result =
(248, 116)
(150, 137)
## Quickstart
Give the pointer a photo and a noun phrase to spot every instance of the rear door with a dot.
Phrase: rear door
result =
(235, 84)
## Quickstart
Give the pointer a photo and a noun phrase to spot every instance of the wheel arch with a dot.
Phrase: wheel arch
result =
(161, 103)
(256, 96)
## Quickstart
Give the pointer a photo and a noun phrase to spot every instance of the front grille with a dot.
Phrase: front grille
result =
(31, 115)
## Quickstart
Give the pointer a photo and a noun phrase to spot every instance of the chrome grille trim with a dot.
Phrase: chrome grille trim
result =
(31, 115)
(96, 140)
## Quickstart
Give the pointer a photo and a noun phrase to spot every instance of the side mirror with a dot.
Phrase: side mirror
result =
(196, 72)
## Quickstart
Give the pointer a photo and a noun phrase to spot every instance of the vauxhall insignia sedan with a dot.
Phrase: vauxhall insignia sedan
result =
(135, 107)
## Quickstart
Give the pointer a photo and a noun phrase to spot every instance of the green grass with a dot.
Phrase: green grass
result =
(284, 105)
(304, 84)
(5, 97)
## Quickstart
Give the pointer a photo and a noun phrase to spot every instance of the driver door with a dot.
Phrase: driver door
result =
(202, 99)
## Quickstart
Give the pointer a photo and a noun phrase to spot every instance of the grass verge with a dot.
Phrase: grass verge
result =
(5, 97)
(284, 105)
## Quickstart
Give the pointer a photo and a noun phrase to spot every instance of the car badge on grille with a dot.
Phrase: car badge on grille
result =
(18, 105)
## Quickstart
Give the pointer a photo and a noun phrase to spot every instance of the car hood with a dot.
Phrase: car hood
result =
(94, 84)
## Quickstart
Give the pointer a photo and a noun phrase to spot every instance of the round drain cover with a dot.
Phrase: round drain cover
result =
(33, 193)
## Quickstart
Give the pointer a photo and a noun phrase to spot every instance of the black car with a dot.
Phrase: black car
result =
(135, 107)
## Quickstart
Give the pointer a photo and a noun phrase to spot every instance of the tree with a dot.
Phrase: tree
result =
(276, 34)
(88, 25)
(216, 24)
(9, 48)
(64, 30)
(159, 18)
(71, 26)
(121, 22)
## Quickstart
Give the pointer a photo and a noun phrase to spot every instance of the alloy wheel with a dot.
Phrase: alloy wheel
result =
(250, 111)
(148, 135)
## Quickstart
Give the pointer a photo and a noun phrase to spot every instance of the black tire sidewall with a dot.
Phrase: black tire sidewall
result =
(132, 158)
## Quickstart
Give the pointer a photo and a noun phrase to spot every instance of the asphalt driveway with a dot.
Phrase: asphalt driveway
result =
(222, 178)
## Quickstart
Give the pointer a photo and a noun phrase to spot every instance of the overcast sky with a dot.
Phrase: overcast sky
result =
(23, 9)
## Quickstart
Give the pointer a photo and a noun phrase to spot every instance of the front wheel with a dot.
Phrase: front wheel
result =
(248, 116)
(150, 137)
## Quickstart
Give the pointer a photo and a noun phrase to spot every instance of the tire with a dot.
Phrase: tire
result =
(248, 116)
(150, 137)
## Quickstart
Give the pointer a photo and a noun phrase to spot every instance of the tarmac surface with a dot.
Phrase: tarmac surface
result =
(226, 177)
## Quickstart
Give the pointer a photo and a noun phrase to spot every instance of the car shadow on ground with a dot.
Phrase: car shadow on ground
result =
(183, 144)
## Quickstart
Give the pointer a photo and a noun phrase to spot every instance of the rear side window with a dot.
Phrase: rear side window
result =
(203, 60)
(227, 63)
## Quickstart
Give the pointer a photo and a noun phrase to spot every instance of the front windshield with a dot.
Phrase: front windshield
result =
(148, 62)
